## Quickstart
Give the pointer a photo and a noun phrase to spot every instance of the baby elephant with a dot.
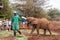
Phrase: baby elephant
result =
(37, 24)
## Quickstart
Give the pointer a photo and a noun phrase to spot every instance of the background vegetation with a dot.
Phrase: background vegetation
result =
(31, 8)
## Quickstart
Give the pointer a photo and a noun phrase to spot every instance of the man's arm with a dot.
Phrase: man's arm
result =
(19, 18)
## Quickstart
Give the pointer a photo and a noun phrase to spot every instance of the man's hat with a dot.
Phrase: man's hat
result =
(15, 12)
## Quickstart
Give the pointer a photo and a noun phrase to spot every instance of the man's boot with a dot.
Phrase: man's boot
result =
(18, 31)
(14, 33)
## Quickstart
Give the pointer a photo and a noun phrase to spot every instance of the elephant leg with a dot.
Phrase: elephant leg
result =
(32, 30)
(28, 24)
(37, 31)
(34, 27)
(44, 31)
(49, 31)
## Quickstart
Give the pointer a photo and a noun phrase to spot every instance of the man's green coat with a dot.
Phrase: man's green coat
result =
(15, 22)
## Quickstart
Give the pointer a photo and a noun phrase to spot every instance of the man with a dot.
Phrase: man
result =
(15, 23)
(23, 21)
(6, 24)
(9, 23)
(0, 24)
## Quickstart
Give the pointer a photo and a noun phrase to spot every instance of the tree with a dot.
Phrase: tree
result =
(53, 13)
(6, 10)
(32, 8)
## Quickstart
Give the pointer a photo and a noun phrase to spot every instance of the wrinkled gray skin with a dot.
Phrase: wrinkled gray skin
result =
(38, 24)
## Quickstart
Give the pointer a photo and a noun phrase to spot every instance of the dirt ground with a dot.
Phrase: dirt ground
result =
(42, 37)
(33, 36)
(8, 38)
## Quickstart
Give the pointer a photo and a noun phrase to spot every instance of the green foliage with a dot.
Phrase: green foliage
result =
(53, 12)
(6, 10)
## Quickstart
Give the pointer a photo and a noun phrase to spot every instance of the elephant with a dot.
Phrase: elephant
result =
(38, 23)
